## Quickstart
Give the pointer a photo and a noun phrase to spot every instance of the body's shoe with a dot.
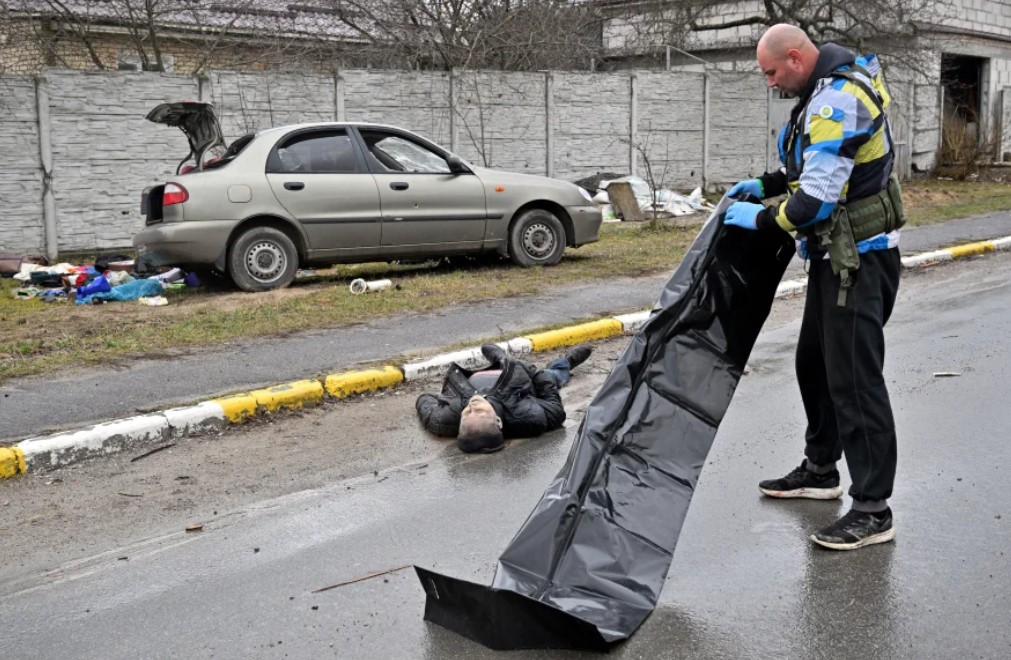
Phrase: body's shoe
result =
(804, 483)
(857, 529)
(494, 354)
(577, 355)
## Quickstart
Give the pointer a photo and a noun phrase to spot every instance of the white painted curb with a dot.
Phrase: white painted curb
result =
(54, 451)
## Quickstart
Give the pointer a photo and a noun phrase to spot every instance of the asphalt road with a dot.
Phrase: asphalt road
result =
(37, 405)
(745, 581)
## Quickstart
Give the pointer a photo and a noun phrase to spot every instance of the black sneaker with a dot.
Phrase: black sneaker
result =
(494, 354)
(804, 483)
(857, 529)
(577, 355)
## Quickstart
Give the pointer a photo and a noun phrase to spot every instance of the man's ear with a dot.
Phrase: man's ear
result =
(498, 420)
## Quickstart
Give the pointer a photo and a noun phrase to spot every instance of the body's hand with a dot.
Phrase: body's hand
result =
(747, 187)
(743, 214)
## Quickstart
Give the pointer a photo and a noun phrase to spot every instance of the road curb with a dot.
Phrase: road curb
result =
(57, 450)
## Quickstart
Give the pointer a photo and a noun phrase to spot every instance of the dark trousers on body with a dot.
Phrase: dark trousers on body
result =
(840, 356)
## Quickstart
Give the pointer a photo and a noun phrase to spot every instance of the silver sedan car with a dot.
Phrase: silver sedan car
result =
(318, 194)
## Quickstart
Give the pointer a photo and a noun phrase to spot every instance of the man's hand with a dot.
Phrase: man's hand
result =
(743, 214)
(748, 187)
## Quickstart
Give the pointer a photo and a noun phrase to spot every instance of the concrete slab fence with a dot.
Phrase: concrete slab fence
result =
(78, 151)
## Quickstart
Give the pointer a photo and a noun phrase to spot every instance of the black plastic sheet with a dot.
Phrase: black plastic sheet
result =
(586, 568)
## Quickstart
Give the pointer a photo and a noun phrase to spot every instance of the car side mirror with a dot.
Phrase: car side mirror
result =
(456, 165)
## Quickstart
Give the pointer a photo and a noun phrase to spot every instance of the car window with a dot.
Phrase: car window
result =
(397, 154)
(331, 152)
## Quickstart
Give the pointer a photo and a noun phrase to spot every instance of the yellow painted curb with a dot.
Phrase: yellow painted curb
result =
(970, 249)
(12, 462)
(576, 334)
(237, 408)
(353, 382)
(289, 395)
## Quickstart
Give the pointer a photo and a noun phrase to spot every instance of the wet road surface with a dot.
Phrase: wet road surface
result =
(745, 581)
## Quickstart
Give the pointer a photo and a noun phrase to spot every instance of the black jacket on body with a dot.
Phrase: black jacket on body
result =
(524, 397)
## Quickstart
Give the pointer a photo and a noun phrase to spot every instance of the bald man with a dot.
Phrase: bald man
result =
(845, 207)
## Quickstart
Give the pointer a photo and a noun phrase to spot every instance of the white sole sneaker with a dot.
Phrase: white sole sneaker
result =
(882, 537)
(807, 493)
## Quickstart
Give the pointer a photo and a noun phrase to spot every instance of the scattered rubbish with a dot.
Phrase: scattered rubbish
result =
(946, 374)
(361, 579)
(119, 277)
(587, 567)
(124, 558)
(625, 201)
(255, 550)
(361, 286)
(608, 214)
(196, 527)
(129, 291)
(54, 482)
(628, 191)
(153, 301)
(305, 272)
(153, 451)
(130, 494)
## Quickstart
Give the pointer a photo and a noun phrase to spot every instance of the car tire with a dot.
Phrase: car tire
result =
(262, 258)
(537, 238)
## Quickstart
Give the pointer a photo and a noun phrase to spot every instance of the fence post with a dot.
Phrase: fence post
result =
(338, 97)
(705, 129)
(549, 132)
(454, 144)
(46, 159)
(633, 122)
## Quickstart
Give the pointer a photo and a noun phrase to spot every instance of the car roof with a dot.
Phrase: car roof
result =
(328, 124)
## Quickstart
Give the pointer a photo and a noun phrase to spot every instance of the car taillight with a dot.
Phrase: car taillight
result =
(174, 194)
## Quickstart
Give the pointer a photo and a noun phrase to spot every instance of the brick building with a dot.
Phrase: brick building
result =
(176, 36)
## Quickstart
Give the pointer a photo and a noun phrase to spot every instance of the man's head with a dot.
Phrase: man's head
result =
(787, 58)
(479, 420)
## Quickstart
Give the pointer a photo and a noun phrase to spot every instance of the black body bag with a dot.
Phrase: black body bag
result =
(586, 568)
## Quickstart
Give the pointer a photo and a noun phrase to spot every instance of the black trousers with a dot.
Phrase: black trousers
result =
(840, 355)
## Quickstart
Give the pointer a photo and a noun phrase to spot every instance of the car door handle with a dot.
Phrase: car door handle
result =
(293, 185)
(399, 185)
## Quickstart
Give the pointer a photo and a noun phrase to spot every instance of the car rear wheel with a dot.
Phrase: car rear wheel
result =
(263, 258)
(537, 238)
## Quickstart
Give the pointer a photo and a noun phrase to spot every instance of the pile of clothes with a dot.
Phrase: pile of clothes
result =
(110, 278)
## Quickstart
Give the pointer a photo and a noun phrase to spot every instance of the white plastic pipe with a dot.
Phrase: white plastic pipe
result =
(361, 286)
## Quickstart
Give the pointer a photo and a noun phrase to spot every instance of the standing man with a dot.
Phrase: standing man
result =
(846, 209)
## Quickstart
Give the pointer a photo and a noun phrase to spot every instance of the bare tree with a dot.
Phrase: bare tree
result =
(883, 26)
(515, 35)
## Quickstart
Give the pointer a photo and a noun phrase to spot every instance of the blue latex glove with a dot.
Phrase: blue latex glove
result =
(743, 214)
(748, 187)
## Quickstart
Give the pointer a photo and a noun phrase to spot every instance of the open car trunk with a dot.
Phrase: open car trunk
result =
(197, 121)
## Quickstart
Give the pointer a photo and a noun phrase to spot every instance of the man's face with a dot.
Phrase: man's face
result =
(477, 409)
(784, 72)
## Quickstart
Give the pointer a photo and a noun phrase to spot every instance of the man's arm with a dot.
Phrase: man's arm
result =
(837, 125)
(546, 393)
(438, 415)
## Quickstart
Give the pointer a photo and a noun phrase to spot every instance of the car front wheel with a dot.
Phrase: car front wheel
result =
(537, 238)
(263, 258)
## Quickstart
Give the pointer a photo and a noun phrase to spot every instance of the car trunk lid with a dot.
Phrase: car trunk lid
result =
(197, 121)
